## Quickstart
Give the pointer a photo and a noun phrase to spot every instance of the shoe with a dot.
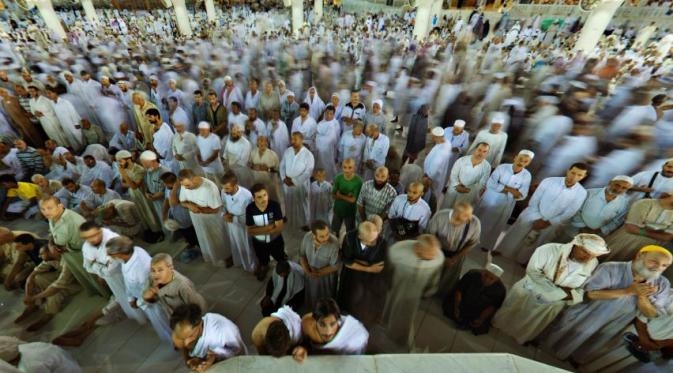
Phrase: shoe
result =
(112, 316)
(261, 273)
(395, 120)
(189, 254)
(638, 353)
(305, 228)
(229, 262)
(630, 338)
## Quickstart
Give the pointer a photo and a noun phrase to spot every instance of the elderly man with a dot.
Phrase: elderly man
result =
(140, 107)
(376, 150)
(92, 134)
(122, 216)
(236, 149)
(230, 93)
(494, 137)
(152, 185)
(435, 162)
(555, 201)
(353, 112)
(650, 184)
(74, 196)
(295, 171)
(603, 210)
(235, 200)
(352, 145)
(96, 170)
(264, 163)
(203, 339)
(554, 279)
(615, 294)
(306, 125)
(278, 333)
(35, 357)
(289, 108)
(202, 197)
(468, 177)
(458, 231)
(125, 139)
(416, 266)
(508, 184)
(47, 187)
(60, 167)
(409, 214)
(184, 149)
(361, 288)
(459, 139)
(136, 268)
(133, 177)
(376, 195)
(319, 257)
(208, 155)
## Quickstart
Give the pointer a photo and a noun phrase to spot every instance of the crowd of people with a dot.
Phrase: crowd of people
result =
(388, 160)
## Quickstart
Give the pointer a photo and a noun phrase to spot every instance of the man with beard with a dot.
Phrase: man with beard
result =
(140, 107)
(409, 213)
(125, 139)
(295, 172)
(96, 170)
(376, 195)
(235, 149)
(162, 139)
(616, 293)
(650, 184)
(209, 146)
(254, 127)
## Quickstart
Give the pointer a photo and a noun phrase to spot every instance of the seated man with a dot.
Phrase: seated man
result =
(476, 298)
(35, 357)
(101, 196)
(285, 287)
(122, 217)
(73, 195)
(327, 331)
(21, 198)
(276, 335)
(655, 334)
(169, 287)
(96, 170)
(48, 286)
(47, 187)
(204, 339)
(19, 258)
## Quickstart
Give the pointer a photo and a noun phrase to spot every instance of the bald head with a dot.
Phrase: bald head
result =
(6, 236)
(368, 232)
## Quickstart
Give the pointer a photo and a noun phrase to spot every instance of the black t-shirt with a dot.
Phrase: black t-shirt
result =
(255, 217)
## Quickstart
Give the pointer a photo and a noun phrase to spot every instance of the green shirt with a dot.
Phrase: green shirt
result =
(349, 188)
(65, 231)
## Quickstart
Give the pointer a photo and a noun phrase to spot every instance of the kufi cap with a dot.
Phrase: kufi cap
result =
(227, 78)
(459, 123)
(380, 102)
(60, 151)
(204, 125)
(148, 155)
(290, 93)
(499, 117)
(527, 152)
(626, 178)
(438, 131)
(123, 154)
(494, 269)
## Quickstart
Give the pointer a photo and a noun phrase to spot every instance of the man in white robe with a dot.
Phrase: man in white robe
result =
(651, 183)
(555, 201)
(68, 118)
(459, 140)
(435, 162)
(135, 269)
(554, 279)
(306, 125)
(376, 151)
(235, 199)
(494, 137)
(352, 144)
(295, 172)
(254, 126)
(43, 109)
(327, 136)
(272, 326)
(178, 115)
(409, 208)
(279, 137)
(202, 197)
(184, 148)
(230, 93)
(236, 117)
(468, 177)
(18, 356)
(162, 138)
(208, 154)
(507, 184)
(96, 170)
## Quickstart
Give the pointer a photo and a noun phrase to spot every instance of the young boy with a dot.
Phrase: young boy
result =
(321, 196)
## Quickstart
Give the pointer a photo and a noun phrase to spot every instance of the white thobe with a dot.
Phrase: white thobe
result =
(598, 213)
(220, 336)
(279, 138)
(236, 154)
(49, 120)
(551, 131)
(180, 116)
(41, 357)
(251, 100)
(460, 142)
(184, 144)
(352, 147)
(98, 262)
(12, 165)
(418, 211)
(552, 201)
(101, 171)
(630, 118)
(162, 140)
(207, 146)
(258, 129)
(375, 150)
(136, 273)
(239, 241)
(308, 128)
(497, 142)
(326, 146)
(469, 175)
(298, 166)
(69, 118)
(495, 206)
(321, 200)
(660, 185)
(234, 95)
(236, 119)
(572, 149)
(434, 166)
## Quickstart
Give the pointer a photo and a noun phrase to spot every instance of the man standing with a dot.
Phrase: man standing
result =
(264, 165)
(235, 200)
(152, 185)
(554, 279)
(132, 176)
(200, 108)
(555, 201)
(306, 125)
(346, 190)
(43, 109)
(376, 150)
(254, 127)
(264, 220)
(376, 195)
(279, 138)
(409, 214)
(494, 137)
(435, 162)
(507, 184)
(650, 184)
(468, 177)
(217, 115)
(184, 148)
(459, 140)
(352, 144)
(236, 149)
(162, 138)
(69, 119)
(319, 257)
(208, 154)
(458, 231)
(327, 137)
(140, 107)
(416, 266)
(202, 197)
(353, 112)
(295, 171)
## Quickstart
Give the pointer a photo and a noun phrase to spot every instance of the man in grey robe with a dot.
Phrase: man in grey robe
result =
(319, 253)
(152, 184)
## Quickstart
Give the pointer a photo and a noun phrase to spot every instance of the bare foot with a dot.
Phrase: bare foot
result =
(40, 323)
(26, 313)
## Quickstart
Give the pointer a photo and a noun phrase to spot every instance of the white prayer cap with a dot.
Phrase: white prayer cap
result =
(67, 73)
(172, 81)
(148, 155)
(379, 102)
(499, 117)
(123, 154)
(669, 160)
(527, 152)
(60, 151)
(438, 131)
(578, 84)
(119, 75)
(499, 75)
(9, 348)
(171, 225)
(227, 78)
(204, 125)
(459, 123)
(626, 178)
(592, 243)
(336, 95)
(551, 100)
(237, 126)
(371, 83)
(290, 93)
(154, 77)
(494, 269)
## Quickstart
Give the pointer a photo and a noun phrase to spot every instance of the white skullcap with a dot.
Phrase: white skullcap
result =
(499, 75)
(204, 125)
(9, 348)
(237, 126)
(380, 102)
(499, 117)
(123, 154)
(153, 77)
(459, 123)
(626, 178)
(592, 243)
(290, 93)
(336, 95)
(578, 84)
(148, 155)
(172, 81)
(227, 78)
(551, 100)
(60, 151)
(527, 152)
(668, 160)
(438, 131)
(370, 83)
(494, 269)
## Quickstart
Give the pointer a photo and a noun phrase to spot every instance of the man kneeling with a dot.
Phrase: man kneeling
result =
(278, 334)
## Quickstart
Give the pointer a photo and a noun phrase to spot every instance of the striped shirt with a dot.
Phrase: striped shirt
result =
(31, 161)
(376, 201)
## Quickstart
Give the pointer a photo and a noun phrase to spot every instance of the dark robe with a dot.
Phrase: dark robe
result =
(475, 299)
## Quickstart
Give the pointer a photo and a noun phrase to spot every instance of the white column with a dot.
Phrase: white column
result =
(210, 10)
(317, 9)
(595, 24)
(424, 9)
(50, 17)
(90, 11)
(297, 15)
(182, 18)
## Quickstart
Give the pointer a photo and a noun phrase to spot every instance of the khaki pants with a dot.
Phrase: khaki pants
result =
(52, 304)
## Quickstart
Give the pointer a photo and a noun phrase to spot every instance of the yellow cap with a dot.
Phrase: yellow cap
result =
(656, 249)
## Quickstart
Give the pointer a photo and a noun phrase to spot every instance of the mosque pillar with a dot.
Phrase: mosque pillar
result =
(297, 15)
(424, 12)
(595, 24)
(317, 9)
(182, 18)
(50, 17)
(90, 11)
(210, 10)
